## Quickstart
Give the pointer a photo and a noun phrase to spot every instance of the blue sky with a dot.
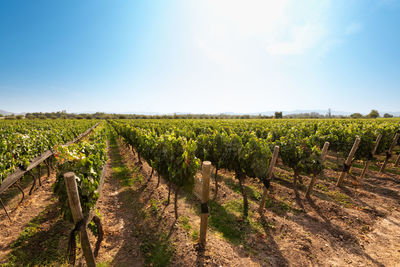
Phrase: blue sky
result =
(207, 56)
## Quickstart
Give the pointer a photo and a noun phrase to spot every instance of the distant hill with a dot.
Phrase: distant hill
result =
(320, 111)
(3, 112)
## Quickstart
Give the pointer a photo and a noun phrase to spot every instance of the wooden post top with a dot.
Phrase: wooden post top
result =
(69, 175)
(206, 168)
(207, 163)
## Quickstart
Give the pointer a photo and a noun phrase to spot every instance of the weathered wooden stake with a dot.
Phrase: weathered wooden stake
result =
(4, 207)
(394, 143)
(366, 165)
(76, 210)
(17, 184)
(206, 171)
(39, 167)
(397, 161)
(347, 163)
(34, 182)
(314, 178)
(48, 167)
(269, 175)
(324, 151)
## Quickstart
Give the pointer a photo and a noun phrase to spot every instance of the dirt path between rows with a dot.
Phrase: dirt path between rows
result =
(120, 247)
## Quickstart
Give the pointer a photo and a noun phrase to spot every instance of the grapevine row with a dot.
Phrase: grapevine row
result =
(86, 160)
(22, 141)
(244, 147)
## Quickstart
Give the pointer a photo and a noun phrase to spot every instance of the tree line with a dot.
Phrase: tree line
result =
(108, 116)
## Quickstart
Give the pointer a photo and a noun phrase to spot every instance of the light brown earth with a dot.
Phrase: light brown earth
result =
(26, 211)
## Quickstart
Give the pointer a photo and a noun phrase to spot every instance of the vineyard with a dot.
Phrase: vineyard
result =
(21, 142)
(282, 192)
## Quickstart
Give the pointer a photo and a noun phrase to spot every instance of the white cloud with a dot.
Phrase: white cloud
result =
(285, 27)
(301, 38)
(249, 18)
(246, 53)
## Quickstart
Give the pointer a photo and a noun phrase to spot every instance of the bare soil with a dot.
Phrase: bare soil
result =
(120, 247)
(34, 221)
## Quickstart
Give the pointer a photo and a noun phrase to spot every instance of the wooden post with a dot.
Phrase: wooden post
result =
(269, 175)
(34, 182)
(366, 165)
(206, 172)
(348, 161)
(76, 210)
(314, 178)
(397, 161)
(18, 185)
(324, 151)
(4, 207)
(394, 143)
(47, 166)
(39, 168)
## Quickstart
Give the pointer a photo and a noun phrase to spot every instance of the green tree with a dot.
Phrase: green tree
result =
(356, 115)
(373, 114)
(278, 115)
(387, 115)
